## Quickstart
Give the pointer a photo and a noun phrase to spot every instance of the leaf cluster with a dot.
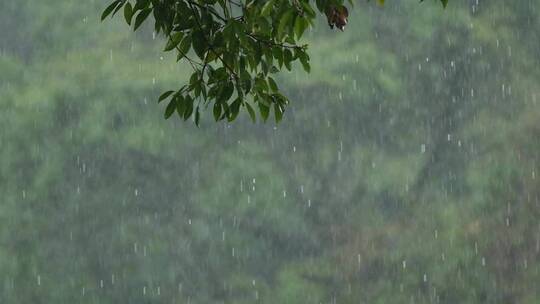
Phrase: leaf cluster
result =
(234, 48)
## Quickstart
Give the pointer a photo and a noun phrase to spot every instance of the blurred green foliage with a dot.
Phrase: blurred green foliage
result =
(406, 171)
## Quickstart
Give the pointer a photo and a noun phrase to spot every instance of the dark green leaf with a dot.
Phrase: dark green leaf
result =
(278, 112)
(171, 107)
(197, 117)
(164, 96)
(264, 110)
(273, 85)
(184, 46)
(226, 92)
(251, 112)
(128, 13)
(109, 9)
(199, 44)
(141, 17)
(267, 8)
(174, 40)
(217, 111)
(188, 107)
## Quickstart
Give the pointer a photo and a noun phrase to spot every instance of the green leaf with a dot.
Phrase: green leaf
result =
(164, 96)
(234, 109)
(284, 23)
(189, 107)
(184, 46)
(267, 8)
(278, 112)
(197, 117)
(199, 43)
(251, 112)
(226, 92)
(308, 10)
(260, 85)
(444, 3)
(180, 106)
(300, 25)
(141, 17)
(174, 40)
(273, 85)
(128, 13)
(304, 60)
(287, 58)
(109, 9)
(217, 110)
(171, 107)
(264, 110)
(141, 4)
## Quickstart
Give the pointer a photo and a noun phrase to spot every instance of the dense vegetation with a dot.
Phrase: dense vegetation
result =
(406, 170)
(233, 48)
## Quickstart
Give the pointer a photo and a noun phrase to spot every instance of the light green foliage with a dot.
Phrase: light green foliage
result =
(233, 48)
(406, 170)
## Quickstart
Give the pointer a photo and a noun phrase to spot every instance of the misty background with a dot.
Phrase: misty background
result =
(405, 169)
